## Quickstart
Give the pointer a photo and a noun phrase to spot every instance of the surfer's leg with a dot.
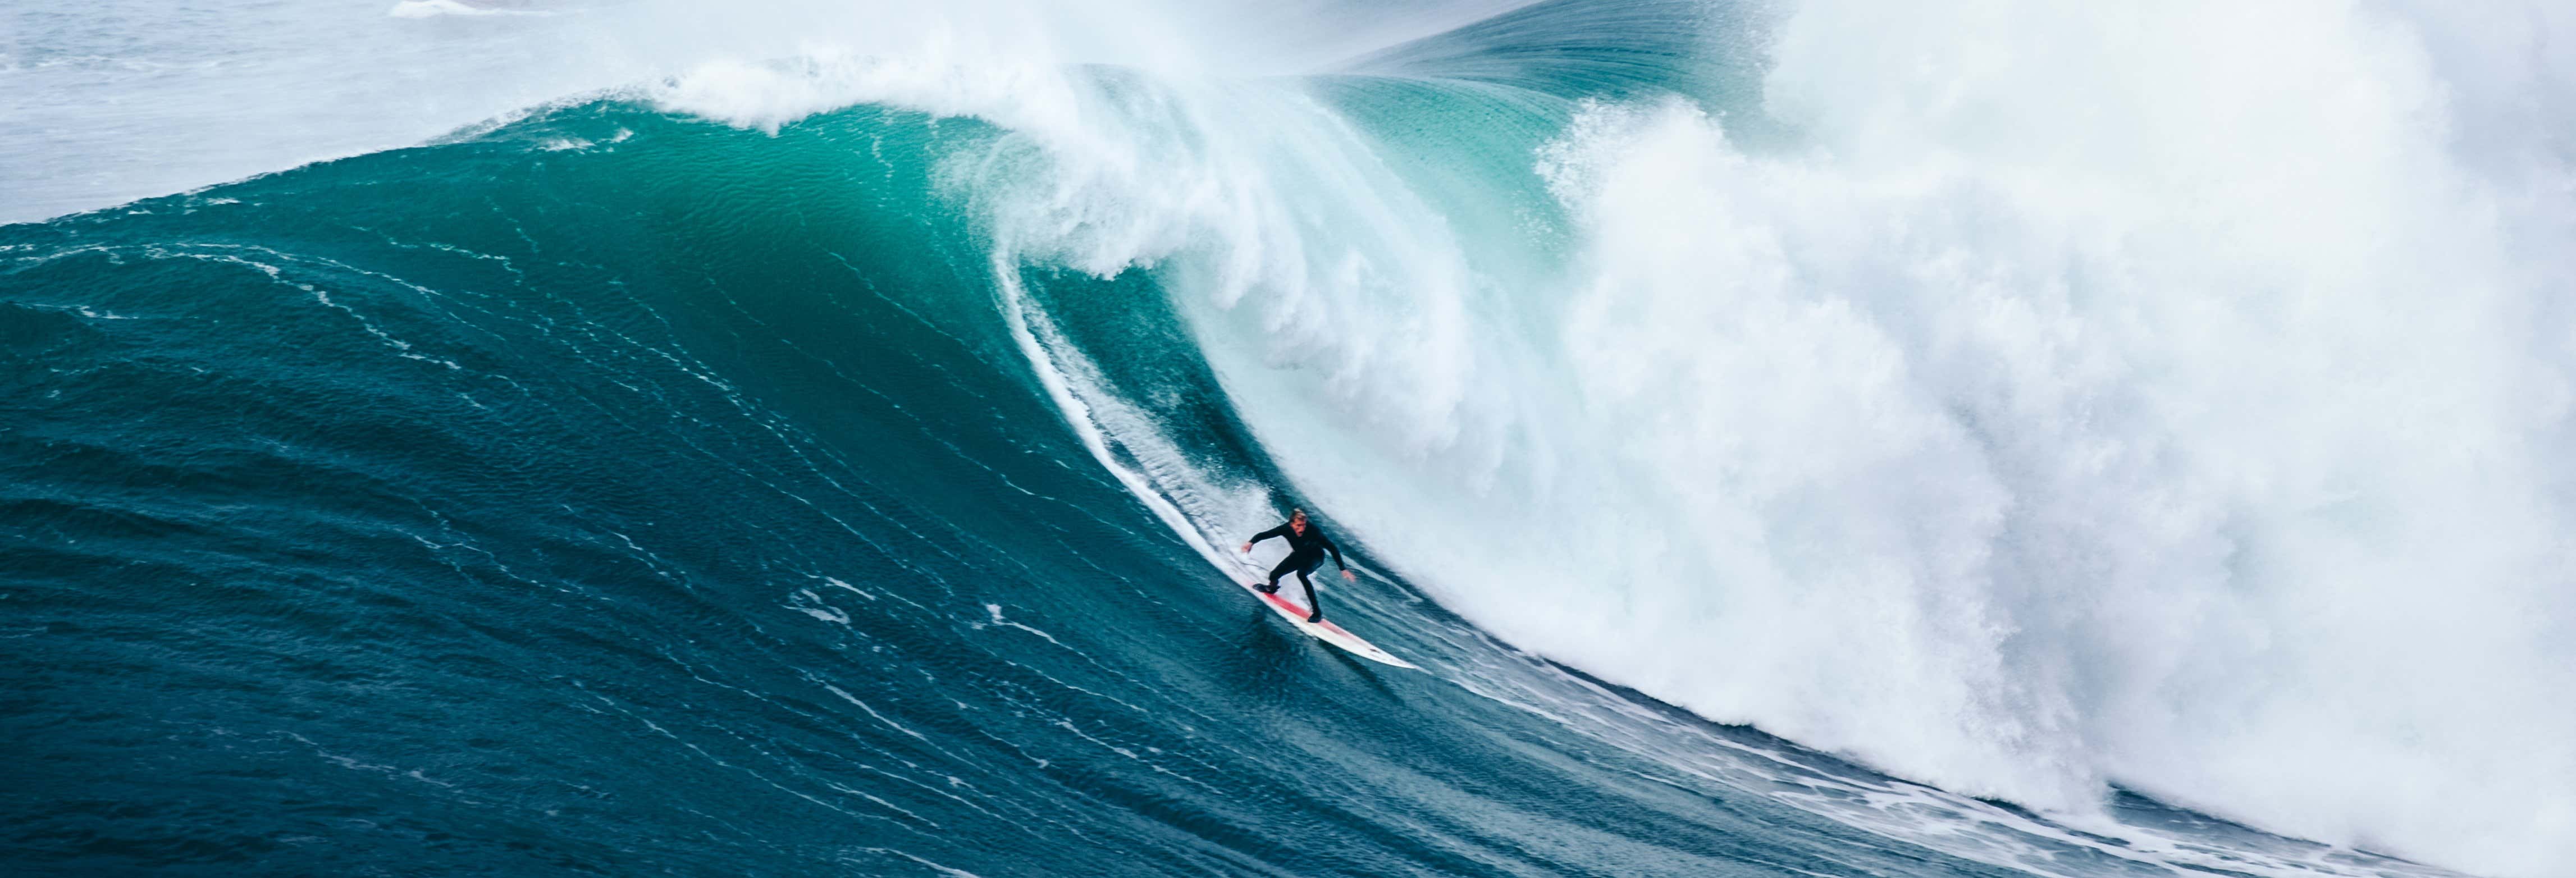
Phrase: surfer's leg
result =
(1286, 566)
(1314, 610)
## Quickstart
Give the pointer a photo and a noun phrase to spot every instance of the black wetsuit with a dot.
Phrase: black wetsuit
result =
(1305, 553)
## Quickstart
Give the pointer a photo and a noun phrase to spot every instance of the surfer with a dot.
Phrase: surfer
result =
(1306, 547)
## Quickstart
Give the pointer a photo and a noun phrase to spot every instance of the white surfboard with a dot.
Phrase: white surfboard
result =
(1325, 630)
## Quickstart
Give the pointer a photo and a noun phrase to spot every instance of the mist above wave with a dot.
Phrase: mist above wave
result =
(123, 99)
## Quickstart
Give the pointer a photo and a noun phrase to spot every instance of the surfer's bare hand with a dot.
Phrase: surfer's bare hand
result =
(1247, 548)
(1350, 576)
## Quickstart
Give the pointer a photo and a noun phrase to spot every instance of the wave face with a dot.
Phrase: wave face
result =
(1830, 440)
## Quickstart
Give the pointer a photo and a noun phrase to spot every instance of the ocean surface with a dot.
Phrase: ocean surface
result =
(1813, 440)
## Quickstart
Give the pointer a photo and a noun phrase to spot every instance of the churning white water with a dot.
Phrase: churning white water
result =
(2174, 398)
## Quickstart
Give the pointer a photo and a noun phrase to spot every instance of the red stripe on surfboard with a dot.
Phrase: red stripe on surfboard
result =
(1283, 604)
(1300, 612)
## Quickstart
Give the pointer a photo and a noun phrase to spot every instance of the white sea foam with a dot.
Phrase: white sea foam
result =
(2176, 400)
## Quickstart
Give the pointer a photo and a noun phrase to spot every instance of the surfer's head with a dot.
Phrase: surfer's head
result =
(1297, 520)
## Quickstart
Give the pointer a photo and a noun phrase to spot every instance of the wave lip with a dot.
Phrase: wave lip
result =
(436, 8)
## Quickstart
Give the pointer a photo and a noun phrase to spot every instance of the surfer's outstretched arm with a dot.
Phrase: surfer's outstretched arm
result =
(1336, 549)
(1279, 531)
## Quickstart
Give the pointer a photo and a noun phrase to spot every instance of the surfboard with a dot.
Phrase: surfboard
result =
(1325, 630)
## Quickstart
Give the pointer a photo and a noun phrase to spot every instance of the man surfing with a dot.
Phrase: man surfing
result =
(1306, 547)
